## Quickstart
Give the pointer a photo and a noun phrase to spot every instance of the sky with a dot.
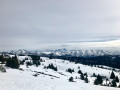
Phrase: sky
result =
(40, 24)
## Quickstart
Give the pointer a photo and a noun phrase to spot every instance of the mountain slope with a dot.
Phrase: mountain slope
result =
(48, 79)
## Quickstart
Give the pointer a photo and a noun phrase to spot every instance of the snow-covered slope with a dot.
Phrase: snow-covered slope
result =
(47, 79)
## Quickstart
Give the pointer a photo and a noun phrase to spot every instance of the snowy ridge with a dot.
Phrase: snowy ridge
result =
(60, 52)
(81, 53)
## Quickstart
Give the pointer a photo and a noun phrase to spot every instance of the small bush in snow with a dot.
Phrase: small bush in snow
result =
(22, 62)
(94, 75)
(28, 63)
(2, 68)
(78, 67)
(70, 70)
(71, 79)
(21, 69)
(35, 75)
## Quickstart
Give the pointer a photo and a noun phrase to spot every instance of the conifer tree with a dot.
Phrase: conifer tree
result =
(112, 76)
(86, 80)
(80, 72)
(98, 80)
(116, 79)
(94, 75)
(113, 84)
(71, 79)
(82, 76)
(12, 62)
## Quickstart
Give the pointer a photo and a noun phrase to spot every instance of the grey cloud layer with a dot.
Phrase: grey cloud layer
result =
(51, 21)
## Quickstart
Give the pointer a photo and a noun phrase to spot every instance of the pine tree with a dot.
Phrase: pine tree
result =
(85, 74)
(37, 63)
(116, 79)
(86, 80)
(16, 64)
(119, 86)
(51, 66)
(112, 76)
(71, 79)
(55, 68)
(94, 75)
(12, 62)
(113, 84)
(98, 80)
(82, 76)
(2, 59)
(50, 56)
(80, 72)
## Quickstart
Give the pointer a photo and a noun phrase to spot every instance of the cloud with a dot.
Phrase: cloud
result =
(30, 23)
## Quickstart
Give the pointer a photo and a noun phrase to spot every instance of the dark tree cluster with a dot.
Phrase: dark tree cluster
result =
(70, 70)
(2, 59)
(115, 79)
(106, 60)
(112, 76)
(36, 60)
(51, 66)
(29, 63)
(12, 62)
(83, 76)
(98, 80)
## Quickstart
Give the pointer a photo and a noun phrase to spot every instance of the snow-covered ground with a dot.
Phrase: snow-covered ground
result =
(15, 79)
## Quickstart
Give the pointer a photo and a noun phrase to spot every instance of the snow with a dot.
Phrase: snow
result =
(15, 79)
(23, 57)
(84, 53)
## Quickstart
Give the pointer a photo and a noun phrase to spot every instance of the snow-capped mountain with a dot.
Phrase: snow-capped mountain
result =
(63, 51)
(22, 52)
(81, 53)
